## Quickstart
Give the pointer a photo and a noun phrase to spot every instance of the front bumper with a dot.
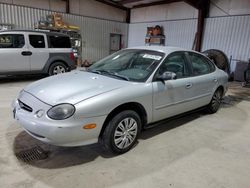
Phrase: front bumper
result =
(68, 132)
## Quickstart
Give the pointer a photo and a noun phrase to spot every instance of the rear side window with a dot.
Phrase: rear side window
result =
(200, 64)
(37, 41)
(12, 41)
(59, 42)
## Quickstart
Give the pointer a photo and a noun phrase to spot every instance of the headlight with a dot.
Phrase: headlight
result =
(61, 111)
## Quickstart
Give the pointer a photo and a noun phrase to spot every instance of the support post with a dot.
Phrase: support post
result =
(67, 6)
(200, 28)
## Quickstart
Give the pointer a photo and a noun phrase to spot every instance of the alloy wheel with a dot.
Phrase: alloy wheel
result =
(58, 69)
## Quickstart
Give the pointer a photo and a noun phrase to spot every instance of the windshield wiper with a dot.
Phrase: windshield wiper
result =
(98, 71)
(120, 76)
(110, 73)
(94, 71)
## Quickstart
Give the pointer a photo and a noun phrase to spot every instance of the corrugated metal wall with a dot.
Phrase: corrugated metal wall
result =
(229, 34)
(95, 32)
(179, 33)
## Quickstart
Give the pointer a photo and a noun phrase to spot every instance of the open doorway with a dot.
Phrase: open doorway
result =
(115, 42)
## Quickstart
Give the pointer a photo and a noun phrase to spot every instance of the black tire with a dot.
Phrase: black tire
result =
(215, 103)
(113, 135)
(57, 68)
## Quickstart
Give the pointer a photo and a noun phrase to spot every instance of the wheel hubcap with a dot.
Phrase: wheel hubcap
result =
(59, 69)
(125, 133)
(216, 100)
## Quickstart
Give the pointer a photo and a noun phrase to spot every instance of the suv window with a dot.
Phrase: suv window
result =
(37, 41)
(175, 63)
(200, 64)
(59, 42)
(12, 41)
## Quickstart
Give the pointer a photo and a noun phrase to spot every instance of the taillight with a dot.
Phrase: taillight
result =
(72, 57)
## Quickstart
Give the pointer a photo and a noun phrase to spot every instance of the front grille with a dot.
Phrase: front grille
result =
(25, 106)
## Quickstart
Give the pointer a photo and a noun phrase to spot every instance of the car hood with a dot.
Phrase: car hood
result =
(73, 87)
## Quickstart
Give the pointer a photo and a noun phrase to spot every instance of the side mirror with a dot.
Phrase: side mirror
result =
(166, 76)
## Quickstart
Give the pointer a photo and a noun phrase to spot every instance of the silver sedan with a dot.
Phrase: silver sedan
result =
(118, 96)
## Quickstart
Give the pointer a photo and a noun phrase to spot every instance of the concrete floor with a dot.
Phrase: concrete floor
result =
(197, 150)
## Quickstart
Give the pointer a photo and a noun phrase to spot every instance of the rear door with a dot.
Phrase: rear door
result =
(13, 53)
(204, 79)
(38, 46)
(172, 97)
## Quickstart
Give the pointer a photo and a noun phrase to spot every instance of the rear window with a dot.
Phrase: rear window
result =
(12, 41)
(59, 42)
(200, 64)
(37, 41)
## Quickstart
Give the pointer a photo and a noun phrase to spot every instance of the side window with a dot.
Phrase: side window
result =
(200, 64)
(175, 63)
(59, 42)
(37, 41)
(12, 41)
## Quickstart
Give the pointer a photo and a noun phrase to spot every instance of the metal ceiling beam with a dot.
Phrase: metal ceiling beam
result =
(113, 4)
(193, 3)
(129, 1)
(156, 3)
(200, 4)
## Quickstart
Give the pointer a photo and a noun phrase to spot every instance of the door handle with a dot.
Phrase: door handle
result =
(26, 53)
(215, 80)
(189, 85)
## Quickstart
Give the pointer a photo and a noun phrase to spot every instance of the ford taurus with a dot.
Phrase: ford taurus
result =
(118, 96)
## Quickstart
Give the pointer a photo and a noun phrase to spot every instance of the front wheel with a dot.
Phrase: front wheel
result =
(214, 105)
(57, 68)
(122, 131)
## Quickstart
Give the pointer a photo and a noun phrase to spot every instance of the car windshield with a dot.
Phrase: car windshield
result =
(131, 65)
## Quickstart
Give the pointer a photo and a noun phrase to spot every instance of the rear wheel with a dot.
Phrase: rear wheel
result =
(57, 68)
(214, 105)
(122, 131)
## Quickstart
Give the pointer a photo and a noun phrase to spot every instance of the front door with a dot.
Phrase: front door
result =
(13, 53)
(172, 97)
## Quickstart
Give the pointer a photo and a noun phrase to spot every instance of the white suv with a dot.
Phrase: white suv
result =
(26, 52)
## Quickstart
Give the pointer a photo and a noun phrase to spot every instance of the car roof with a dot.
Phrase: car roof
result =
(164, 49)
(35, 31)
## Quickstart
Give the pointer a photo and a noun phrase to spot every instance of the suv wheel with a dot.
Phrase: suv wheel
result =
(121, 132)
(57, 68)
